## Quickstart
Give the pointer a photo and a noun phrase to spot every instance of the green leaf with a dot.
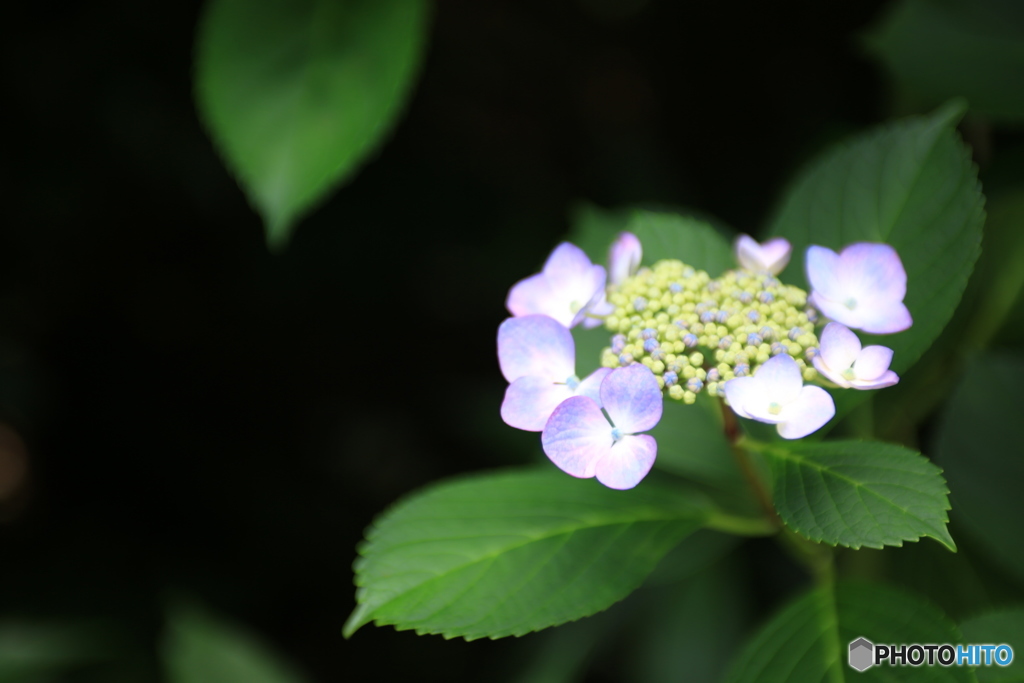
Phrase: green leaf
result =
(967, 48)
(809, 640)
(201, 648)
(298, 93)
(1004, 626)
(509, 553)
(39, 651)
(589, 345)
(690, 240)
(858, 493)
(912, 185)
(692, 443)
(594, 228)
(978, 444)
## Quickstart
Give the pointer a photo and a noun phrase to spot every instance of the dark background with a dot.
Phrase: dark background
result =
(193, 416)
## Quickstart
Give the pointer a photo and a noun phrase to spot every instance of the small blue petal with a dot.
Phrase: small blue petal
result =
(694, 384)
(650, 345)
(690, 340)
(670, 378)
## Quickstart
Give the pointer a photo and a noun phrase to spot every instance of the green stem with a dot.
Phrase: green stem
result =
(741, 526)
(734, 435)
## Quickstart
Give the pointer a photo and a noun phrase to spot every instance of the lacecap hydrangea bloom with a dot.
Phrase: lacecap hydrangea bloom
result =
(743, 337)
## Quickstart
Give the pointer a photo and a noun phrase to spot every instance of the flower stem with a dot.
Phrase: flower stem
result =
(734, 435)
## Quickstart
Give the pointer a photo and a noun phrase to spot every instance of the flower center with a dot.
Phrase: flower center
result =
(850, 303)
(616, 434)
(575, 306)
(848, 373)
(572, 382)
(774, 408)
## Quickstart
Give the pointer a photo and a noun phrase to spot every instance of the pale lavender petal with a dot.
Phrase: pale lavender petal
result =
(886, 318)
(781, 379)
(772, 256)
(822, 266)
(582, 293)
(836, 310)
(628, 461)
(830, 373)
(535, 345)
(839, 347)
(536, 296)
(748, 252)
(887, 379)
(775, 254)
(577, 436)
(632, 398)
(591, 384)
(872, 272)
(624, 257)
(742, 392)
(529, 402)
(807, 414)
(597, 311)
(872, 362)
(566, 261)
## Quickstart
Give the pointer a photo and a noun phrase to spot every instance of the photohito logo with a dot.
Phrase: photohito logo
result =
(864, 654)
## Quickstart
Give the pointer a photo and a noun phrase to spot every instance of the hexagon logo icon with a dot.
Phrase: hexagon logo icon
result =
(862, 653)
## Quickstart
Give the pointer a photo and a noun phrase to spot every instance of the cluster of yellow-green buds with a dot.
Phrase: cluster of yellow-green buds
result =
(696, 332)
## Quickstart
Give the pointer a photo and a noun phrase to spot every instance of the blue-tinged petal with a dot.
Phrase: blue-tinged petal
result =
(872, 362)
(885, 318)
(887, 379)
(807, 414)
(627, 462)
(567, 261)
(780, 379)
(632, 398)
(536, 345)
(742, 392)
(591, 384)
(872, 272)
(536, 295)
(577, 436)
(529, 402)
(822, 266)
(624, 257)
(772, 256)
(838, 347)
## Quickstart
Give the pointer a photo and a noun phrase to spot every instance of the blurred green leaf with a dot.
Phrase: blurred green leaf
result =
(691, 443)
(858, 493)
(589, 345)
(297, 94)
(686, 631)
(978, 445)
(202, 648)
(509, 553)
(693, 241)
(910, 184)
(593, 228)
(956, 48)
(808, 641)
(38, 651)
(1004, 626)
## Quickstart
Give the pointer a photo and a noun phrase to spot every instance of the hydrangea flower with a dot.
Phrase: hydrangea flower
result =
(583, 442)
(861, 287)
(566, 289)
(776, 394)
(538, 356)
(842, 360)
(624, 257)
(770, 257)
